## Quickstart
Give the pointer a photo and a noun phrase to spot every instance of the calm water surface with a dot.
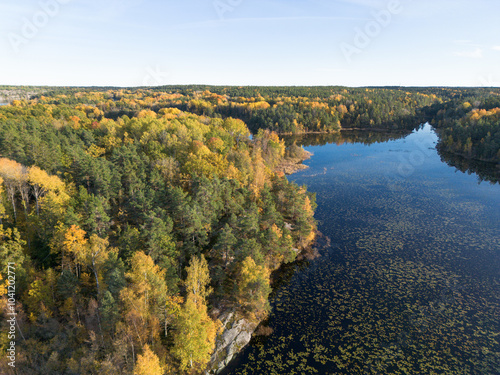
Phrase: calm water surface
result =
(409, 281)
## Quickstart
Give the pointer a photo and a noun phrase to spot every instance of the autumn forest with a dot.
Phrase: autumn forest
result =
(136, 218)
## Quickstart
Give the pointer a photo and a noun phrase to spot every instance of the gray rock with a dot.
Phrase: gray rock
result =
(236, 334)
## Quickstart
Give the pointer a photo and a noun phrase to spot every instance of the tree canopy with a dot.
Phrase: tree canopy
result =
(128, 220)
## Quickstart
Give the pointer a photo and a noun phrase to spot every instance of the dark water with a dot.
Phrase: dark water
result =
(410, 282)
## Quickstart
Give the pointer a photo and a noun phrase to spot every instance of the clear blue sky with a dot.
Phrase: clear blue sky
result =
(250, 42)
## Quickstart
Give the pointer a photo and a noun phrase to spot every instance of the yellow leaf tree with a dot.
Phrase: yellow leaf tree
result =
(197, 280)
(195, 339)
(3, 287)
(2, 207)
(11, 173)
(253, 288)
(172, 310)
(145, 298)
(74, 243)
(38, 178)
(196, 332)
(95, 255)
(148, 363)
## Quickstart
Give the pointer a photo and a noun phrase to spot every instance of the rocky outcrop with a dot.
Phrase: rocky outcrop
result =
(236, 334)
(237, 331)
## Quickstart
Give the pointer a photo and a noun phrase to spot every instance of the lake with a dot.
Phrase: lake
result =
(408, 278)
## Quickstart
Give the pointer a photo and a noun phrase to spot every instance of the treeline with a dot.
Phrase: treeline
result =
(468, 117)
(468, 123)
(298, 110)
(130, 233)
(280, 109)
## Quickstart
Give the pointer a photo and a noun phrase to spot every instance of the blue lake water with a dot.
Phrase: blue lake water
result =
(408, 278)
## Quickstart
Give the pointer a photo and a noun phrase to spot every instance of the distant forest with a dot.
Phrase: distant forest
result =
(466, 118)
(135, 217)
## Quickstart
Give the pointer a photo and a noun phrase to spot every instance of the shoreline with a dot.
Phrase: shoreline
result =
(238, 330)
(379, 130)
(469, 158)
(289, 166)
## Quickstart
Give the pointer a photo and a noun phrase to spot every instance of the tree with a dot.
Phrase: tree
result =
(172, 310)
(3, 286)
(74, 242)
(96, 255)
(196, 332)
(92, 253)
(109, 311)
(198, 279)
(253, 288)
(52, 203)
(278, 246)
(248, 222)
(162, 249)
(2, 207)
(11, 173)
(194, 228)
(225, 244)
(24, 189)
(270, 216)
(113, 272)
(148, 363)
(145, 298)
(273, 148)
(40, 298)
(129, 242)
(11, 251)
(195, 338)
(169, 169)
(236, 128)
(38, 178)
(249, 247)
(93, 209)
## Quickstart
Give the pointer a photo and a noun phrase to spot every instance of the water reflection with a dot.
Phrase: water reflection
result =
(485, 171)
(411, 282)
(365, 137)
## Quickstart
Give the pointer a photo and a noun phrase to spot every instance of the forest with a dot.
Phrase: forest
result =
(128, 235)
(467, 118)
(135, 217)
(468, 122)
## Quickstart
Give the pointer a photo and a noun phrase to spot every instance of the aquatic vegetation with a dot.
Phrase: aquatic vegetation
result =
(410, 284)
